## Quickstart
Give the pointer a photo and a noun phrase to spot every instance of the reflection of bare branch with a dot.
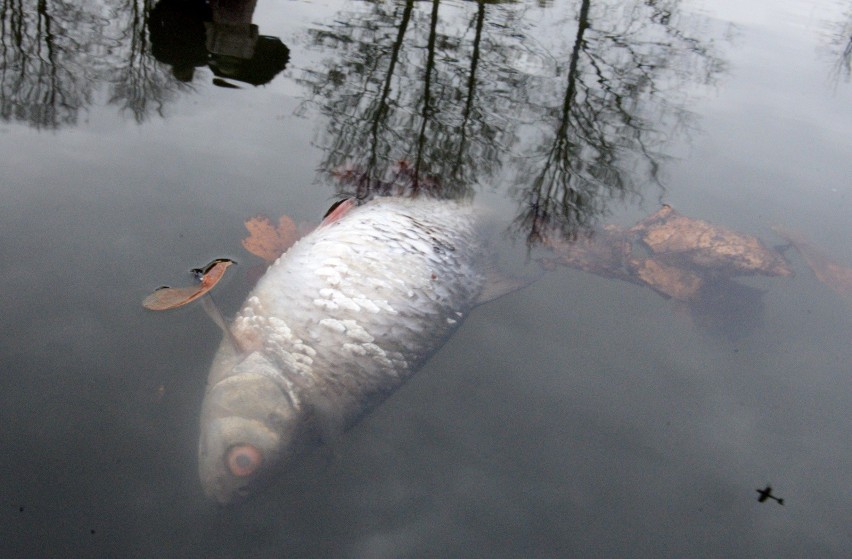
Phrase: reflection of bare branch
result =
(838, 47)
(385, 107)
(138, 83)
(452, 89)
(46, 74)
(55, 54)
(428, 110)
(618, 95)
(458, 166)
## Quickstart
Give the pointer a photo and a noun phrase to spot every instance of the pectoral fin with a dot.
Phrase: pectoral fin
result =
(167, 298)
(498, 283)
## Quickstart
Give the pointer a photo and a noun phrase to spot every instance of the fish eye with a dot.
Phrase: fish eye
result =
(243, 460)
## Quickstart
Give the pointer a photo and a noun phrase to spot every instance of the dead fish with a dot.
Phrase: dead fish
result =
(334, 326)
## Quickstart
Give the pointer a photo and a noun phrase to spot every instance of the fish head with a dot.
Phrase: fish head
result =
(250, 422)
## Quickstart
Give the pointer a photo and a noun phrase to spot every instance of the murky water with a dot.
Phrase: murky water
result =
(585, 415)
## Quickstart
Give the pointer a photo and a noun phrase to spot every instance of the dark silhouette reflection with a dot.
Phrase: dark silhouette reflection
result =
(766, 493)
(138, 85)
(178, 35)
(55, 56)
(186, 34)
(461, 92)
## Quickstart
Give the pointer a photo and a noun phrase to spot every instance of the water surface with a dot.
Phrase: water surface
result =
(582, 416)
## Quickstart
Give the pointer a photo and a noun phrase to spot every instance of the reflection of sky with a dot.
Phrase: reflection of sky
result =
(579, 414)
(777, 133)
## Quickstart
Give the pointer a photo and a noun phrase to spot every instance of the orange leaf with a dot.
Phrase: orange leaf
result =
(268, 241)
(166, 298)
(287, 231)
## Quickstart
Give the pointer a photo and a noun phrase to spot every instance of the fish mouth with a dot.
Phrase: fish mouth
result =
(233, 496)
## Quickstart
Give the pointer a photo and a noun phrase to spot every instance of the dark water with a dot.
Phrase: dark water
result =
(582, 416)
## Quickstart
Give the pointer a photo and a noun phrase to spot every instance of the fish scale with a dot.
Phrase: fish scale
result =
(335, 325)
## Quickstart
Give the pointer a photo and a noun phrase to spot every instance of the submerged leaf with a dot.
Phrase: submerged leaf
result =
(682, 241)
(677, 256)
(677, 283)
(166, 298)
(268, 241)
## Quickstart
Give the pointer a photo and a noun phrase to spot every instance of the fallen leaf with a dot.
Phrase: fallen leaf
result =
(681, 241)
(267, 240)
(677, 256)
(680, 284)
(166, 298)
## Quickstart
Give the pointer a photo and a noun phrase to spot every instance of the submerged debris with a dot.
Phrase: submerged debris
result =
(678, 256)
(829, 272)
(688, 260)
(683, 241)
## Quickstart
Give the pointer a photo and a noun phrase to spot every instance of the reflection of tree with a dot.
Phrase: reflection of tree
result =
(838, 46)
(46, 70)
(56, 55)
(139, 84)
(405, 86)
(620, 83)
(461, 91)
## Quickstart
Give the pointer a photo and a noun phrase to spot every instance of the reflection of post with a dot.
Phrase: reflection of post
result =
(189, 33)
(237, 50)
(233, 12)
(231, 33)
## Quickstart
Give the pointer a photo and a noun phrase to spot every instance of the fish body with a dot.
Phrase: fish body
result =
(334, 326)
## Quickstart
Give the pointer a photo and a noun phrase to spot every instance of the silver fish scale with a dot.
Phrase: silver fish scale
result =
(358, 305)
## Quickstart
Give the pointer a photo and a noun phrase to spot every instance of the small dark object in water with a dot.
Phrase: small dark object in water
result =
(767, 494)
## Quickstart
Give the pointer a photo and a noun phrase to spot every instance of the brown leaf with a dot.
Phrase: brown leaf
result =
(682, 241)
(677, 283)
(268, 241)
(166, 298)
